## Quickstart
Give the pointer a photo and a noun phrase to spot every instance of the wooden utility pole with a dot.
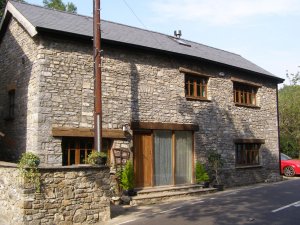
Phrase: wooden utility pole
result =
(97, 78)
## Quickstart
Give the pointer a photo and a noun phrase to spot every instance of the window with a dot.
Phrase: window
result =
(76, 150)
(247, 154)
(195, 87)
(11, 104)
(244, 94)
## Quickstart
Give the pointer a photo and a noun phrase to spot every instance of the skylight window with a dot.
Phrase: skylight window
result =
(180, 41)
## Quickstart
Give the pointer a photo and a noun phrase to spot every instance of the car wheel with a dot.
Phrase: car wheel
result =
(289, 171)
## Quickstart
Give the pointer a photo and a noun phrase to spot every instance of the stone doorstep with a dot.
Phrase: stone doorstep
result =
(167, 189)
(157, 197)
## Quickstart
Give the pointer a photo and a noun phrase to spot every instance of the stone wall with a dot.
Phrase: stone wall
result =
(20, 71)
(69, 195)
(11, 195)
(148, 87)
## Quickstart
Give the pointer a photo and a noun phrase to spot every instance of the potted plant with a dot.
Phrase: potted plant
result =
(127, 179)
(97, 158)
(201, 175)
(216, 162)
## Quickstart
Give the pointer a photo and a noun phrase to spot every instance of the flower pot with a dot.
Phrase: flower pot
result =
(206, 184)
(101, 161)
(219, 187)
(130, 192)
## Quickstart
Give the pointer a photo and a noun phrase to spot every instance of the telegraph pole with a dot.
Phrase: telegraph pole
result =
(97, 77)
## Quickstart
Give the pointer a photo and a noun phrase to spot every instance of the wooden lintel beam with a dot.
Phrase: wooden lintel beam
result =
(192, 72)
(86, 132)
(238, 80)
(163, 126)
(249, 141)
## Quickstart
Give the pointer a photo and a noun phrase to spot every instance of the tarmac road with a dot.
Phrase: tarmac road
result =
(262, 204)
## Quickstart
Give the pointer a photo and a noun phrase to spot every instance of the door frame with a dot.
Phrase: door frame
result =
(137, 132)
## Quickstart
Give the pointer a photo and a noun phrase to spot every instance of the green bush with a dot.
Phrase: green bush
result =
(216, 162)
(201, 174)
(28, 167)
(95, 158)
(127, 176)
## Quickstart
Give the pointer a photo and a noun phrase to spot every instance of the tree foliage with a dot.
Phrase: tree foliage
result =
(59, 5)
(289, 116)
(3, 4)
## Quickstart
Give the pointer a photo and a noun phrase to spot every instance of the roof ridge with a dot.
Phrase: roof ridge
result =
(57, 10)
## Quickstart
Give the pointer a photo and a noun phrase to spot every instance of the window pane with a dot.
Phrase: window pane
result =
(247, 154)
(183, 165)
(244, 94)
(72, 157)
(191, 89)
(195, 86)
(163, 172)
(82, 156)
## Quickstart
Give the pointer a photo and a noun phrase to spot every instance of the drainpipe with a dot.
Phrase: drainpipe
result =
(97, 77)
(278, 130)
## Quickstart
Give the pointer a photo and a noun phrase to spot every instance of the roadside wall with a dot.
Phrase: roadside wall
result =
(69, 195)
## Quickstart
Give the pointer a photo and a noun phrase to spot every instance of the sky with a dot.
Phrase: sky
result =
(266, 32)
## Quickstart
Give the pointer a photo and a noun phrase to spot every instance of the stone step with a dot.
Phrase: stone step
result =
(166, 189)
(146, 197)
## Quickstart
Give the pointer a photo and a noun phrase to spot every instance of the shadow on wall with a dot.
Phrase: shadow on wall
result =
(15, 70)
(218, 127)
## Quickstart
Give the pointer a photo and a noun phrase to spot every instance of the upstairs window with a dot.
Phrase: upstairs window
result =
(247, 154)
(244, 94)
(195, 87)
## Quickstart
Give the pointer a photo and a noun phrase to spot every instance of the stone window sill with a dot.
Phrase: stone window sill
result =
(197, 99)
(248, 167)
(248, 106)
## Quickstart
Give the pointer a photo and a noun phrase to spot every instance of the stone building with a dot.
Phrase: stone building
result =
(177, 99)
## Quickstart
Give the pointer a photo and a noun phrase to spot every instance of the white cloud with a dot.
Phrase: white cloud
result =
(222, 12)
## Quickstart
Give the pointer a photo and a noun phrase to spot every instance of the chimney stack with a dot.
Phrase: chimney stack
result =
(177, 33)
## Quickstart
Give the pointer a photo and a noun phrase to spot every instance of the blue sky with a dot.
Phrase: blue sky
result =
(265, 32)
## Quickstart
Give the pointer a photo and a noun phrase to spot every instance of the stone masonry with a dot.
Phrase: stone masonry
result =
(137, 86)
(69, 195)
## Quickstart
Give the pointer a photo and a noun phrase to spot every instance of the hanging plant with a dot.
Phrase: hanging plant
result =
(28, 167)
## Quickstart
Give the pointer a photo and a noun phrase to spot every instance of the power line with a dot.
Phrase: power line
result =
(144, 26)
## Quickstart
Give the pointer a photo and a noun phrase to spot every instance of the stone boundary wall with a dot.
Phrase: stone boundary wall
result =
(69, 195)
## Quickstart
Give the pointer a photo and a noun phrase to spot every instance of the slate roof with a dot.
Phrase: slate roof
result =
(53, 20)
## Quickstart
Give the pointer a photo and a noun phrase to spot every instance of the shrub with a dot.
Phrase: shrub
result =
(127, 176)
(28, 167)
(96, 158)
(215, 162)
(201, 174)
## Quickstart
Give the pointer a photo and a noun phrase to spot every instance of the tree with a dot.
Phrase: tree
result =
(3, 4)
(59, 5)
(294, 78)
(289, 116)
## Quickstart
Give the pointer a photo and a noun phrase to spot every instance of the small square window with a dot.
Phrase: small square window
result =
(76, 150)
(247, 154)
(244, 94)
(195, 87)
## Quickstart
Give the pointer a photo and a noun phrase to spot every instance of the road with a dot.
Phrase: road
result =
(275, 204)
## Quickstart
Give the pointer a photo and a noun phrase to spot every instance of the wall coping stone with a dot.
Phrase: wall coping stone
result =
(4, 164)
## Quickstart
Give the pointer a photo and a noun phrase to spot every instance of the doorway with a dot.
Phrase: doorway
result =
(163, 157)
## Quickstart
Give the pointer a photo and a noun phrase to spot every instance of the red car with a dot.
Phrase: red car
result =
(289, 166)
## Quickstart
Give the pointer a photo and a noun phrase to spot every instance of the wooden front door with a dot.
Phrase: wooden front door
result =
(143, 156)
